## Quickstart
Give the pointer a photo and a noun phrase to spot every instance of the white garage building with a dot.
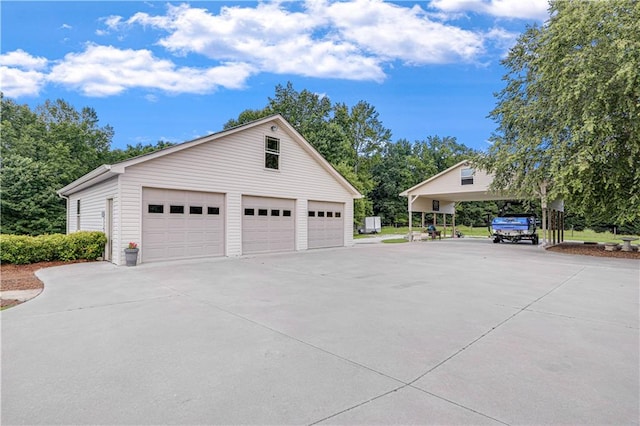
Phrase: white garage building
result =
(256, 188)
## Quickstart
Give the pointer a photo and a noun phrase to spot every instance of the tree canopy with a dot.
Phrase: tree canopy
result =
(42, 151)
(569, 114)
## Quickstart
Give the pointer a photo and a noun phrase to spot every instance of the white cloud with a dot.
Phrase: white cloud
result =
(348, 40)
(520, 9)
(106, 71)
(21, 74)
(65, 27)
(16, 83)
(400, 33)
(21, 59)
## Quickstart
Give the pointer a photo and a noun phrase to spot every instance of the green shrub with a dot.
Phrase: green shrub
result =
(21, 249)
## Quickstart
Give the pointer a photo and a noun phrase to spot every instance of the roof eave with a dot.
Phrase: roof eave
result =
(98, 175)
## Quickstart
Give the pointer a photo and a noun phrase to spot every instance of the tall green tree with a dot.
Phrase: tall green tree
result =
(42, 151)
(569, 115)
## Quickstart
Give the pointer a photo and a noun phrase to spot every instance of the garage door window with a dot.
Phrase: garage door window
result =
(156, 208)
(249, 212)
(312, 214)
(275, 212)
(338, 214)
(176, 209)
(195, 209)
(286, 213)
(213, 210)
(271, 153)
(320, 214)
(329, 214)
(263, 212)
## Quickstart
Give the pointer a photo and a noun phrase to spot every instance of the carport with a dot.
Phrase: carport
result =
(463, 182)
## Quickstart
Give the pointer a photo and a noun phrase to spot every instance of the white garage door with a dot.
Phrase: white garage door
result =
(267, 225)
(326, 224)
(181, 224)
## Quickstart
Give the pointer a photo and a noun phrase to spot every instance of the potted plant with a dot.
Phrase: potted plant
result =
(131, 254)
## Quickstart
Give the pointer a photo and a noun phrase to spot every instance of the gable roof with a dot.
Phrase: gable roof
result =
(434, 177)
(108, 171)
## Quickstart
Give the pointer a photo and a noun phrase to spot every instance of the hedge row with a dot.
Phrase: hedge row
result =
(21, 249)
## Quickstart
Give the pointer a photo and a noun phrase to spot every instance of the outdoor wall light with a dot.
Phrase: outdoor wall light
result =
(274, 128)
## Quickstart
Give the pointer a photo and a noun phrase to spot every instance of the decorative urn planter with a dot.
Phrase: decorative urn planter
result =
(131, 254)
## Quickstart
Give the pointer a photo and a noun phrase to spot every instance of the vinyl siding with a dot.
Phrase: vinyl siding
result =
(93, 204)
(234, 165)
(451, 183)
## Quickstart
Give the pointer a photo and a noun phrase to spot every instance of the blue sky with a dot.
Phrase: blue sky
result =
(179, 70)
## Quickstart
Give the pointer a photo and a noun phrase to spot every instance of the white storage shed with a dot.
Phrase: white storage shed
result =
(256, 188)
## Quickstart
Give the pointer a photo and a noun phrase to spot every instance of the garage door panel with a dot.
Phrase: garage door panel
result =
(325, 224)
(268, 229)
(189, 234)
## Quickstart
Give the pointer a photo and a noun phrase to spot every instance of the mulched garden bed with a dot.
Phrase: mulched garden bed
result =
(22, 277)
(593, 250)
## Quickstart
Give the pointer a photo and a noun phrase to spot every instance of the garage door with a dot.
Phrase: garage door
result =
(181, 224)
(267, 225)
(326, 224)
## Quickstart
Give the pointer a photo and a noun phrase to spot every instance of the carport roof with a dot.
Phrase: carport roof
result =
(436, 188)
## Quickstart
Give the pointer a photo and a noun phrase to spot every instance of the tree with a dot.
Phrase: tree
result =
(569, 115)
(363, 129)
(42, 151)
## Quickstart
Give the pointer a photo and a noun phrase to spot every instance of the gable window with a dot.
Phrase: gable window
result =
(271, 153)
(466, 175)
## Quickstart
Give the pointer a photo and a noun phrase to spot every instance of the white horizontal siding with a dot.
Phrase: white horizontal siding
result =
(93, 211)
(234, 165)
(93, 205)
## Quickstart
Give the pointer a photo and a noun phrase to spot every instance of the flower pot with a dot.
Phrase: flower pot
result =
(131, 256)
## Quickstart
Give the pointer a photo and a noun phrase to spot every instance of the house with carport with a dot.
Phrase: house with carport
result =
(256, 188)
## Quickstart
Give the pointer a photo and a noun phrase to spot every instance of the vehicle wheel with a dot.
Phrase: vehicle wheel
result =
(535, 240)
(496, 240)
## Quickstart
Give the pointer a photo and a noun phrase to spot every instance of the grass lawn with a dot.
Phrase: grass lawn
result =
(586, 235)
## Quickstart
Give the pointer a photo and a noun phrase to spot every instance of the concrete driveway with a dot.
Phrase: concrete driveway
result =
(447, 332)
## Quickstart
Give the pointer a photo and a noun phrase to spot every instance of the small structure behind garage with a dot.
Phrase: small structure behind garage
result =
(463, 182)
(256, 188)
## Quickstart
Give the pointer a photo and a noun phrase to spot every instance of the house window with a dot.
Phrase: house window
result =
(286, 213)
(213, 210)
(195, 209)
(249, 212)
(467, 176)
(155, 208)
(271, 153)
(176, 209)
(78, 215)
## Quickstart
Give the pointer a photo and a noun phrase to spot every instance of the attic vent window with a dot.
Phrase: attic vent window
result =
(467, 176)
(271, 153)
